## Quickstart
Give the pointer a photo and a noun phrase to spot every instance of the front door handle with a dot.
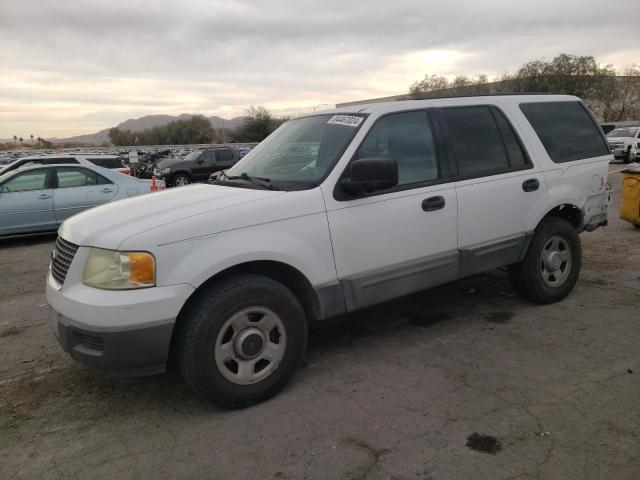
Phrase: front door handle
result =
(43, 196)
(530, 185)
(433, 203)
(106, 190)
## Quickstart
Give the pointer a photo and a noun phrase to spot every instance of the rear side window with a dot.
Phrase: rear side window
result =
(406, 138)
(479, 145)
(75, 177)
(566, 130)
(224, 155)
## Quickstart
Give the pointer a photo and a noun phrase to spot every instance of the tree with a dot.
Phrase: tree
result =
(197, 129)
(20, 139)
(430, 83)
(612, 97)
(15, 139)
(31, 138)
(258, 125)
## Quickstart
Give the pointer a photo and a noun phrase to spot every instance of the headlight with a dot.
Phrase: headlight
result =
(112, 270)
(165, 170)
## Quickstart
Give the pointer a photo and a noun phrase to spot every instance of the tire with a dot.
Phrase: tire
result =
(534, 278)
(240, 305)
(180, 180)
(627, 155)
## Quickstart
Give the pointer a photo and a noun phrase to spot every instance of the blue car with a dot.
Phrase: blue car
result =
(39, 198)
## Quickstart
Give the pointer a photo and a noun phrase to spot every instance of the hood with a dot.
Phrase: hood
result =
(109, 225)
(170, 162)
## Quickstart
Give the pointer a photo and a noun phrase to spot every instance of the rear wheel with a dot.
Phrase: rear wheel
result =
(242, 340)
(550, 269)
(180, 180)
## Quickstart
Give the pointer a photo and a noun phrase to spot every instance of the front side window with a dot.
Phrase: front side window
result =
(75, 177)
(26, 181)
(301, 151)
(406, 138)
(476, 141)
(566, 130)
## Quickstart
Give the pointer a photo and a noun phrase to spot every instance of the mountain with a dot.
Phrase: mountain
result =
(142, 123)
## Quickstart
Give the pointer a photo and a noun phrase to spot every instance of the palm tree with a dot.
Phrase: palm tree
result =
(21, 139)
(31, 138)
(15, 139)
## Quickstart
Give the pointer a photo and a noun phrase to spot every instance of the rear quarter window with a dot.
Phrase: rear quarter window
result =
(566, 130)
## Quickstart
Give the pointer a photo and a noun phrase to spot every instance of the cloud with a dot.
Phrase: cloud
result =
(64, 64)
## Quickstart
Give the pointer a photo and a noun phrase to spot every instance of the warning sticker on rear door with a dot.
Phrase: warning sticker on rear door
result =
(348, 120)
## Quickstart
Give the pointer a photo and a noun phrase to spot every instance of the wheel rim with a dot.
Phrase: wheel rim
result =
(555, 261)
(250, 345)
(181, 180)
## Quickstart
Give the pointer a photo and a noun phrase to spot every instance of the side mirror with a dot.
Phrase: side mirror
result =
(371, 174)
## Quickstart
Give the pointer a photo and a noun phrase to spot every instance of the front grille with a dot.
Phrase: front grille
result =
(62, 256)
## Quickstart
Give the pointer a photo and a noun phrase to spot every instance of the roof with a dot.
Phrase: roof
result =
(408, 104)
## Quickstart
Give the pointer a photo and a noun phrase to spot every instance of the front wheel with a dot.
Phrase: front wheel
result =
(242, 340)
(180, 180)
(550, 269)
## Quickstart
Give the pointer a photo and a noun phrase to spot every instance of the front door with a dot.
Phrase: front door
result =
(204, 165)
(402, 240)
(26, 203)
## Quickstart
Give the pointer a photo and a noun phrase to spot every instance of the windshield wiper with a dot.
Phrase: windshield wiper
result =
(259, 181)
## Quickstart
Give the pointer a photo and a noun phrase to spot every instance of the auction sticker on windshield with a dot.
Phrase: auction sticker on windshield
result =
(348, 120)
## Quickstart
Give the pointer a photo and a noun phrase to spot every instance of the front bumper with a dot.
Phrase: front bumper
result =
(138, 352)
(120, 332)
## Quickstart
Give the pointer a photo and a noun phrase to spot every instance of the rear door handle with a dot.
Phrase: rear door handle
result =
(433, 203)
(43, 196)
(530, 185)
(106, 190)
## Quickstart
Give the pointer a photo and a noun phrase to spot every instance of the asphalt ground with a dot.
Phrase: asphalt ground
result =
(465, 381)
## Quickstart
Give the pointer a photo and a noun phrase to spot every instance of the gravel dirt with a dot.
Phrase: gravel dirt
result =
(462, 381)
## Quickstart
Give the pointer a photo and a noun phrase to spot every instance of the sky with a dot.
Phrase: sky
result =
(79, 66)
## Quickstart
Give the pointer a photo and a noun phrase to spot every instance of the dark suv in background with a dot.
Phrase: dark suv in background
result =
(196, 166)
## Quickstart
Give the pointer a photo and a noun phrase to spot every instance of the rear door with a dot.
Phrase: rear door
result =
(78, 189)
(26, 202)
(497, 186)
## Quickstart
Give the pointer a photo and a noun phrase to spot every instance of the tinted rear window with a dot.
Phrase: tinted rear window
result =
(106, 162)
(566, 130)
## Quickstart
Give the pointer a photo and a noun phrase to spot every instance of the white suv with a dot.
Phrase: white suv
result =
(333, 212)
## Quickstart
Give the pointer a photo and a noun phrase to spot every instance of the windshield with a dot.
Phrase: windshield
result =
(623, 132)
(301, 151)
(193, 155)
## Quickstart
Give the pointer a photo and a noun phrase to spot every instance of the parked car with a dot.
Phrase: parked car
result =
(383, 200)
(625, 143)
(196, 166)
(39, 198)
(112, 162)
